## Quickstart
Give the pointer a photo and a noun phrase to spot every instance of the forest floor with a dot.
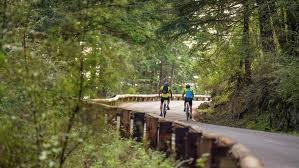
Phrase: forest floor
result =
(249, 120)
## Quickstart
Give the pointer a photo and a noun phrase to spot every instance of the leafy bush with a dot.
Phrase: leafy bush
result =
(110, 150)
(131, 90)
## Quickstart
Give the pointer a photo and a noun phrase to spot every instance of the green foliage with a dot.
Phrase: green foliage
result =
(131, 91)
(288, 82)
(201, 162)
(260, 123)
(53, 54)
(112, 151)
(246, 56)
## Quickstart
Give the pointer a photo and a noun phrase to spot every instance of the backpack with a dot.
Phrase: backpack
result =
(165, 90)
(189, 93)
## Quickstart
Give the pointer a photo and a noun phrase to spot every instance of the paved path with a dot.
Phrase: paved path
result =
(275, 150)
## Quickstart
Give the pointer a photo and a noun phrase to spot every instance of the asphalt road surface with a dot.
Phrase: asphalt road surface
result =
(275, 150)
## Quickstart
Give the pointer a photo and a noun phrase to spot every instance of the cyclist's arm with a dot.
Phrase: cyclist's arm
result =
(160, 90)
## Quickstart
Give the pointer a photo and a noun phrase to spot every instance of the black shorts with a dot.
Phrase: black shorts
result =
(164, 98)
(188, 100)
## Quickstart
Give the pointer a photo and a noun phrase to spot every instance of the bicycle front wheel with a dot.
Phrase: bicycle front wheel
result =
(164, 109)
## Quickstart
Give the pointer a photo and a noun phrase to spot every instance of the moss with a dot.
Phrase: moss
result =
(207, 110)
(221, 99)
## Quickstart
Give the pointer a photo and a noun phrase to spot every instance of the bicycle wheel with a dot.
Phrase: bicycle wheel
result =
(187, 110)
(164, 109)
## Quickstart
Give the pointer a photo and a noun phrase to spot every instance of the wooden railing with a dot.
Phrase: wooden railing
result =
(151, 97)
(178, 139)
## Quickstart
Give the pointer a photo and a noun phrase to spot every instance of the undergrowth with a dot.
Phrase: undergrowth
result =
(111, 151)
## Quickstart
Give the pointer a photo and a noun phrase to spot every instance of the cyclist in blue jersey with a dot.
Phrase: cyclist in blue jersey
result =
(189, 94)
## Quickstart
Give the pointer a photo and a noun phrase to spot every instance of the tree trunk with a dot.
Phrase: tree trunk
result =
(297, 120)
(93, 78)
(278, 21)
(24, 45)
(247, 55)
(71, 119)
(239, 77)
(161, 71)
(4, 22)
(172, 73)
(266, 33)
(292, 9)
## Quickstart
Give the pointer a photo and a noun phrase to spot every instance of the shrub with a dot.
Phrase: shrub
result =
(110, 150)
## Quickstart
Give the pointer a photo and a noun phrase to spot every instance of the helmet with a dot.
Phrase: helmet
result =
(165, 83)
(187, 86)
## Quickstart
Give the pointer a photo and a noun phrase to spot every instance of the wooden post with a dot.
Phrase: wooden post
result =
(100, 115)
(165, 134)
(93, 114)
(250, 161)
(125, 123)
(180, 142)
(206, 145)
(220, 152)
(152, 131)
(193, 146)
(138, 126)
(111, 115)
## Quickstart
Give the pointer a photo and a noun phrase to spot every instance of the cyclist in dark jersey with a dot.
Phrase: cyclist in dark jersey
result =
(166, 94)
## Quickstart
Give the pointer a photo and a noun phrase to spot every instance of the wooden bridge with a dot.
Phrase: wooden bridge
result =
(227, 147)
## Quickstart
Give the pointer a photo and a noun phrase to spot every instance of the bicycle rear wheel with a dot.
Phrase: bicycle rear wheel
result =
(164, 109)
(187, 111)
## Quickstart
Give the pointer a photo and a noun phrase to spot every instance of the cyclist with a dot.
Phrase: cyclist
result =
(189, 94)
(165, 92)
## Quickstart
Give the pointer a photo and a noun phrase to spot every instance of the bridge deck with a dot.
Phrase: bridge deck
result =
(274, 149)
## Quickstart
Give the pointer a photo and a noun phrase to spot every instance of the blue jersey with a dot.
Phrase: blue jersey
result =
(188, 93)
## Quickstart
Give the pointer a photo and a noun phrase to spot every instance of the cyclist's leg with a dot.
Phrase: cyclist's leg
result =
(162, 100)
(185, 101)
(190, 104)
(168, 101)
